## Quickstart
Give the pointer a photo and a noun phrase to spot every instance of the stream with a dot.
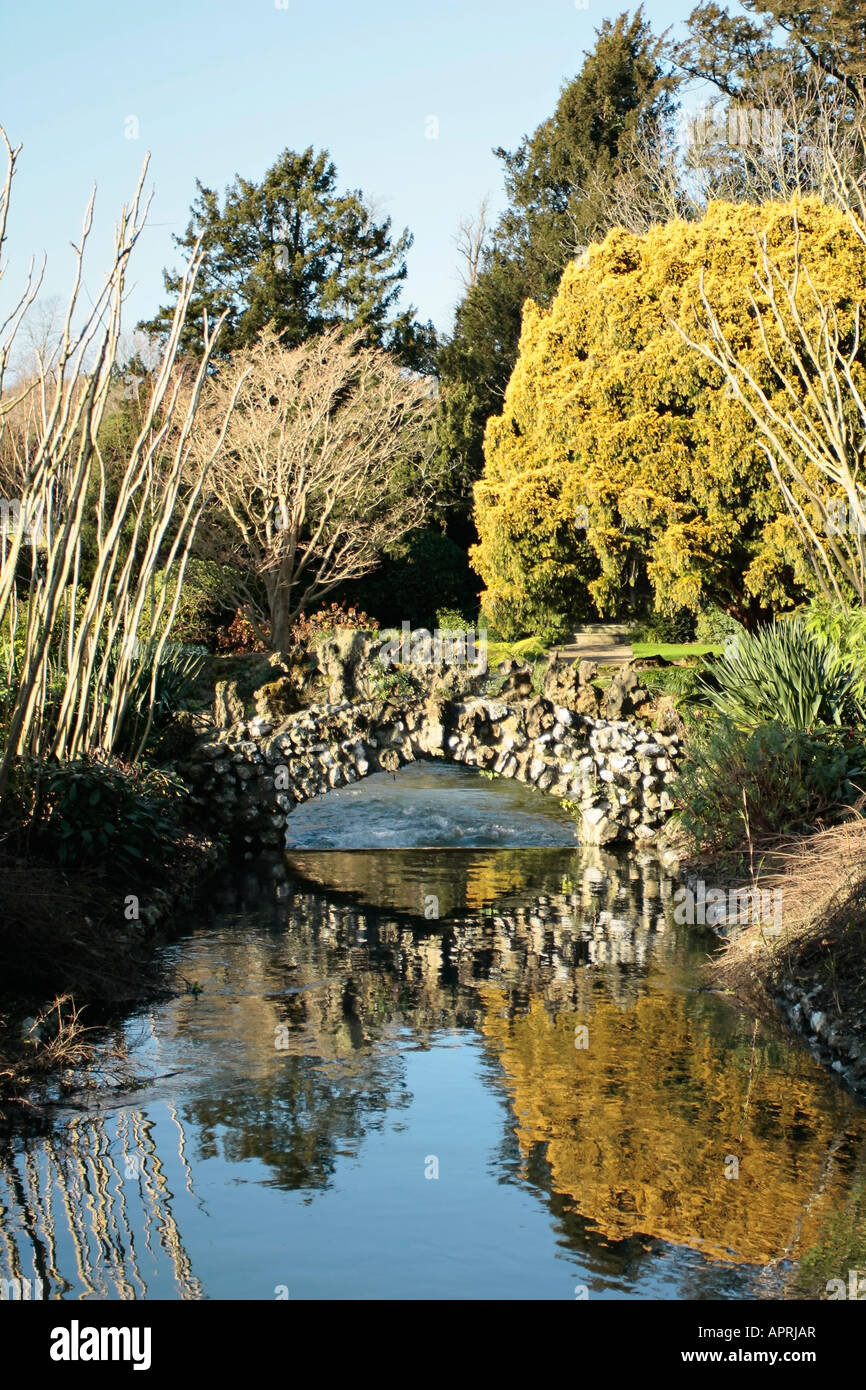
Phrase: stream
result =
(439, 1050)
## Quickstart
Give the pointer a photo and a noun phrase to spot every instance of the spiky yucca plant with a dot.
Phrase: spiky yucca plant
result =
(787, 674)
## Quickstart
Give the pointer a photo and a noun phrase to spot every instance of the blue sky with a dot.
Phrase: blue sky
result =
(222, 87)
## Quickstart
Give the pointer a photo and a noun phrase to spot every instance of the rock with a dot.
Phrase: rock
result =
(496, 710)
(667, 719)
(228, 705)
(389, 760)
(277, 699)
(567, 683)
(587, 671)
(644, 832)
(339, 659)
(518, 683)
(597, 828)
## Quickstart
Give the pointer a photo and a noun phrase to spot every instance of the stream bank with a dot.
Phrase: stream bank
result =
(810, 966)
(76, 950)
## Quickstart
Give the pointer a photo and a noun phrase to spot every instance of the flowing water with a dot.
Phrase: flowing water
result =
(439, 1050)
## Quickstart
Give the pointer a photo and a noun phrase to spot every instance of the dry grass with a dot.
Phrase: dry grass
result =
(46, 1056)
(56, 1038)
(38, 1050)
(822, 878)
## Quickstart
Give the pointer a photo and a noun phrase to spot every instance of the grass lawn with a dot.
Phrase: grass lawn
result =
(533, 649)
(676, 651)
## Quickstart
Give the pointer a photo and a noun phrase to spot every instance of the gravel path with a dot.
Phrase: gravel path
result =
(605, 643)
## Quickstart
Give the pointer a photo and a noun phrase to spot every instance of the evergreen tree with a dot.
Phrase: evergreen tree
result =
(743, 56)
(296, 254)
(621, 467)
(555, 181)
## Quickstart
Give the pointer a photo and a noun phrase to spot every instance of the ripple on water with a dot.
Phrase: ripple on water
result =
(430, 804)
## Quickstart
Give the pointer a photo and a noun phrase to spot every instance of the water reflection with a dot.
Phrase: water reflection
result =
(88, 1213)
(343, 1037)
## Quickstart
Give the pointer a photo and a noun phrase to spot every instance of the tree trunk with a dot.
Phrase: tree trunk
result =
(279, 604)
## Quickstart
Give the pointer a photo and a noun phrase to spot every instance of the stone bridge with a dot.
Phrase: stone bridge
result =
(248, 777)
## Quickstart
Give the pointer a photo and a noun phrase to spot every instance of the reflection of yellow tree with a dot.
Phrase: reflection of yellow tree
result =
(641, 1124)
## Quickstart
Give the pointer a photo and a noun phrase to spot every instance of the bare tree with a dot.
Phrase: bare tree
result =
(41, 333)
(327, 460)
(656, 186)
(470, 242)
(85, 639)
(795, 140)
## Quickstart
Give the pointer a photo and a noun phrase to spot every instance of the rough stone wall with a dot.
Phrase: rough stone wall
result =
(248, 777)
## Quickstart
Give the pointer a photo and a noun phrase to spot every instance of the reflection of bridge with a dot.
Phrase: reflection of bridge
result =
(636, 1126)
(249, 776)
(536, 917)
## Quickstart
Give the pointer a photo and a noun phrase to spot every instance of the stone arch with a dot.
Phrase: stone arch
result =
(250, 776)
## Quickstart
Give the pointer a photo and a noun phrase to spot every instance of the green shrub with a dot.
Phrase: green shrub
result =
(202, 606)
(179, 668)
(715, 625)
(451, 620)
(102, 813)
(680, 682)
(785, 673)
(393, 685)
(764, 782)
(846, 629)
(675, 627)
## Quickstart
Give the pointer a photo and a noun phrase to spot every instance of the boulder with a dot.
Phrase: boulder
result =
(561, 682)
(278, 699)
(625, 695)
(228, 705)
(518, 683)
